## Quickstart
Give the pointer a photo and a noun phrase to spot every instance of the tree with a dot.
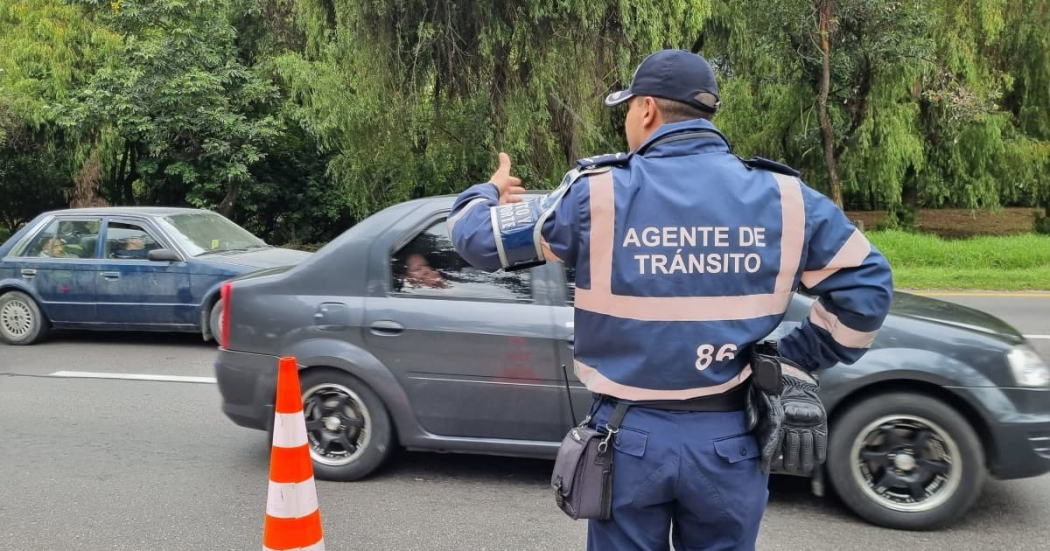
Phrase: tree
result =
(49, 49)
(186, 119)
(415, 98)
(299, 117)
(840, 60)
(1024, 55)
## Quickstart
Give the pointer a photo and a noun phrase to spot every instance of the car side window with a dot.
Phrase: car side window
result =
(429, 266)
(127, 241)
(65, 239)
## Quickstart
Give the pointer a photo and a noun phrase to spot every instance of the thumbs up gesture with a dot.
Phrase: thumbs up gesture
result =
(510, 189)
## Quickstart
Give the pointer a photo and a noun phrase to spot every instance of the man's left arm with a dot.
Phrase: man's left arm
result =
(854, 286)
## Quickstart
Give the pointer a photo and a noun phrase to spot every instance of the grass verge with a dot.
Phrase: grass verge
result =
(1007, 263)
(925, 279)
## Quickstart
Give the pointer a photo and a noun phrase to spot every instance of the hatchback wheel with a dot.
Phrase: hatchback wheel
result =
(21, 320)
(906, 461)
(348, 429)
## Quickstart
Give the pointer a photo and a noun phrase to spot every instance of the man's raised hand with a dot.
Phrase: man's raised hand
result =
(510, 188)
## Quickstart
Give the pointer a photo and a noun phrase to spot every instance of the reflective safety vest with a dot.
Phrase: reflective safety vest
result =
(685, 256)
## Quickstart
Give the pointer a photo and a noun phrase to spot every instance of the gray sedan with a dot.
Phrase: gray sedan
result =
(402, 344)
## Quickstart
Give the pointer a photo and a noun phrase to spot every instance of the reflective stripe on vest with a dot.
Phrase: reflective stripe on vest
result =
(600, 384)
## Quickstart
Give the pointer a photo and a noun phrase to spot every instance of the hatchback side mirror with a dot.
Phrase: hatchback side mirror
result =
(164, 255)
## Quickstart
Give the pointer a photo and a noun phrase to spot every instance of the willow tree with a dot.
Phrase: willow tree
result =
(49, 49)
(416, 97)
(958, 108)
(813, 76)
(1024, 55)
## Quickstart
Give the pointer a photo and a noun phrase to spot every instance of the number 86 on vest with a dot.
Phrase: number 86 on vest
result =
(705, 354)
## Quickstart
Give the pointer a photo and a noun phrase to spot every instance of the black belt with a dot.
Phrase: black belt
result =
(731, 400)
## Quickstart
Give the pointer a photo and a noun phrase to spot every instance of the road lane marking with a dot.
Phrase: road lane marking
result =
(1040, 337)
(132, 377)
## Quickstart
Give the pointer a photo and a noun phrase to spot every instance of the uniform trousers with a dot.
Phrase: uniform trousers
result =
(691, 478)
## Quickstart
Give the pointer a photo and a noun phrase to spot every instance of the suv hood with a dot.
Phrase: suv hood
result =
(951, 314)
(262, 258)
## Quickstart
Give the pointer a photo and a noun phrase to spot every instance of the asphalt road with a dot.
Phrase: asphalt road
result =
(145, 465)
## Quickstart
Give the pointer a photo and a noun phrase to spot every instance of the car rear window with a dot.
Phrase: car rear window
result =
(429, 266)
(65, 239)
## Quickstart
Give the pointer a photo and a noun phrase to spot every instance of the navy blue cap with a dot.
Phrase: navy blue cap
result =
(678, 75)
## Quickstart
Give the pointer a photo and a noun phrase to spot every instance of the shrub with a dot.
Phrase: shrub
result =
(1042, 223)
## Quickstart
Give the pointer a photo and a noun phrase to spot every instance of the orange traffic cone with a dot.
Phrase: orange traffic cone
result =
(293, 519)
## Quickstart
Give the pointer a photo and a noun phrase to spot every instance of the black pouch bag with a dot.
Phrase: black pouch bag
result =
(582, 477)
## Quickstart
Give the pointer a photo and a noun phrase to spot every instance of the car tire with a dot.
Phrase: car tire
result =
(905, 461)
(340, 409)
(22, 322)
(215, 322)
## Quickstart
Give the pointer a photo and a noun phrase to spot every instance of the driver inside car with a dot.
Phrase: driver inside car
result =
(134, 249)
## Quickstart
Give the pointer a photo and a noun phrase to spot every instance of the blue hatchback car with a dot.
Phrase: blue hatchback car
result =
(124, 268)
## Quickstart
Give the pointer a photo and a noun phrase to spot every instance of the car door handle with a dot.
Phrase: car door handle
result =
(28, 272)
(386, 328)
(571, 339)
(111, 276)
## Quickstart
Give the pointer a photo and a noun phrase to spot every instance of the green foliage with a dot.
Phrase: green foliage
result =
(47, 51)
(416, 98)
(49, 48)
(770, 55)
(1042, 224)
(300, 117)
(179, 101)
(28, 176)
(898, 218)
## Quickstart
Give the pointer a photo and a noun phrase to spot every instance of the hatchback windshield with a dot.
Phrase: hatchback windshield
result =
(205, 233)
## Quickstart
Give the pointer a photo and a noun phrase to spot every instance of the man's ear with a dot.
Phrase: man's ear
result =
(651, 117)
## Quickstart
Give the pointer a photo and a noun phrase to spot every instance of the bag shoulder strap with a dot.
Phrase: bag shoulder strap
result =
(613, 425)
(617, 417)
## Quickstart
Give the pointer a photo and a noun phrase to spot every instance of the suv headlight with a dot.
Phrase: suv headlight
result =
(1029, 369)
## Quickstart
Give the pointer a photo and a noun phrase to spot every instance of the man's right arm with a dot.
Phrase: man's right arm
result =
(853, 283)
(476, 237)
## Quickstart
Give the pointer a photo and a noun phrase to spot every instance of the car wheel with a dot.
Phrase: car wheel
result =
(905, 461)
(215, 321)
(348, 429)
(21, 320)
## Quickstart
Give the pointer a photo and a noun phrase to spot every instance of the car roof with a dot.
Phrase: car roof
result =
(116, 211)
(449, 200)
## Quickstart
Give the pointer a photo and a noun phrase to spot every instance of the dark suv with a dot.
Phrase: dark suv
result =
(402, 343)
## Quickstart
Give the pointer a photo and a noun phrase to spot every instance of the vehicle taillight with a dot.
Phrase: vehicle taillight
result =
(227, 297)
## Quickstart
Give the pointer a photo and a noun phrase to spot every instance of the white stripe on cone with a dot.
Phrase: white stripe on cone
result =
(319, 546)
(289, 430)
(291, 500)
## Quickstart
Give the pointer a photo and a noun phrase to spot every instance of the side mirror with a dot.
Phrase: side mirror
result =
(164, 255)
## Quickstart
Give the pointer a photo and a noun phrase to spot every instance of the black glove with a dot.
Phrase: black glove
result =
(805, 427)
(786, 414)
